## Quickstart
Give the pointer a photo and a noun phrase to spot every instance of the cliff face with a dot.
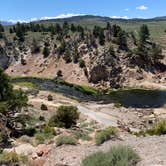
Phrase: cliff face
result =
(4, 59)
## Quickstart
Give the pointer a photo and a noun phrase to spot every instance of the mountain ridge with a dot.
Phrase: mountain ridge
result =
(87, 17)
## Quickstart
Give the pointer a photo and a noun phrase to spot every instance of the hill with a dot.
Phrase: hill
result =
(89, 50)
(156, 25)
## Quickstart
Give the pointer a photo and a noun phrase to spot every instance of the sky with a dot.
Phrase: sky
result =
(29, 10)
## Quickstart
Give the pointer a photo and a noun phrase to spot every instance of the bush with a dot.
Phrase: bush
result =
(59, 73)
(83, 135)
(9, 158)
(105, 135)
(41, 118)
(117, 156)
(44, 107)
(3, 137)
(46, 134)
(82, 63)
(157, 129)
(50, 98)
(160, 128)
(66, 117)
(40, 138)
(30, 131)
(46, 52)
(66, 140)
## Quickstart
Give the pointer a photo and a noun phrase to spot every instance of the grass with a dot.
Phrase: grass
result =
(157, 129)
(105, 135)
(30, 81)
(12, 158)
(45, 135)
(82, 88)
(83, 135)
(117, 156)
(66, 140)
(26, 84)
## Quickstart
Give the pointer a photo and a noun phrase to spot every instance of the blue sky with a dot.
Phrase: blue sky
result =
(36, 9)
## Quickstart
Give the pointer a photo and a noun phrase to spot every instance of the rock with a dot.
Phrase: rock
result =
(25, 149)
(42, 150)
(134, 130)
(159, 112)
(40, 153)
(4, 59)
(37, 162)
(34, 156)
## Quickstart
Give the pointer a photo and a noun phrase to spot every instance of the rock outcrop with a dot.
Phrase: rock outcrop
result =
(4, 59)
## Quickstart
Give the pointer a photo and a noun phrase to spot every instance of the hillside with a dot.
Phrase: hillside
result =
(156, 25)
(100, 56)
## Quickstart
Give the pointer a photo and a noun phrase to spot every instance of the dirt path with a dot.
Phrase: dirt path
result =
(102, 118)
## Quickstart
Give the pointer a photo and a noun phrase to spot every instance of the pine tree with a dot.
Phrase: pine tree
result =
(35, 47)
(46, 52)
(111, 51)
(2, 28)
(144, 33)
(73, 28)
(122, 40)
(11, 104)
(101, 37)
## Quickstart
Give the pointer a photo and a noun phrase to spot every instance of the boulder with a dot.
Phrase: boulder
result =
(42, 150)
(25, 149)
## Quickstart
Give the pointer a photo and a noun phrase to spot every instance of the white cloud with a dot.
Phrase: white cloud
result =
(127, 9)
(46, 18)
(142, 7)
(120, 17)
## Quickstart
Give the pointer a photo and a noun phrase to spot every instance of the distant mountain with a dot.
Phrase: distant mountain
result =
(6, 23)
(99, 19)
(160, 18)
(91, 19)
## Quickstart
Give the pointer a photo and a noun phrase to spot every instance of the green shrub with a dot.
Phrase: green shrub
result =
(41, 118)
(12, 158)
(44, 107)
(160, 128)
(49, 130)
(9, 158)
(40, 138)
(83, 135)
(157, 129)
(66, 117)
(66, 140)
(30, 131)
(3, 137)
(46, 134)
(82, 63)
(46, 52)
(59, 73)
(105, 135)
(117, 156)
(50, 98)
